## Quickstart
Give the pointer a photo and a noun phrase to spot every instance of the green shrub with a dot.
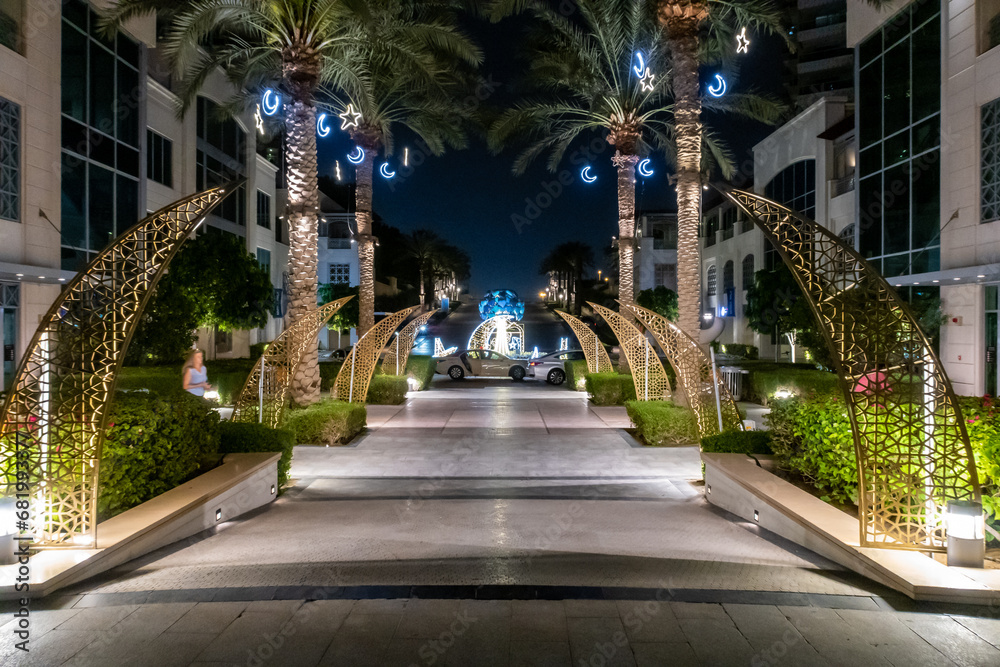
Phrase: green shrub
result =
(226, 375)
(576, 374)
(153, 444)
(257, 351)
(387, 389)
(812, 437)
(663, 423)
(241, 438)
(328, 374)
(738, 442)
(610, 388)
(421, 367)
(982, 420)
(749, 352)
(765, 378)
(327, 422)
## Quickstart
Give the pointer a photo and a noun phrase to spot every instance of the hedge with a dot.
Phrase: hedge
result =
(327, 422)
(749, 352)
(242, 438)
(610, 388)
(738, 442)
(328, 374)
(227, 375)
(421, 367)
(153, 444)
(765, 378)
(982, 420)
(663, 423)
(576, 374)
(387, 389)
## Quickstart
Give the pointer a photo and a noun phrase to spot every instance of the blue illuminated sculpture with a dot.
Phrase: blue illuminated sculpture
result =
(501, 302)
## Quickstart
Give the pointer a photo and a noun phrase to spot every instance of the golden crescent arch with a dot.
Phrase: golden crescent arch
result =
(651, 383)
(55, 415)
(909, 435)
(265, 393)
(481, 334)
(399, 352)
(598, 360)
(694, 372)
(356, 374)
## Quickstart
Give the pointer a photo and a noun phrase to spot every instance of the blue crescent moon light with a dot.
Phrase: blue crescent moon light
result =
(357, 156)
(719, 89)
(641, 67)
(322, 129)
(384, 170)
(644, 169)
(272, 100)
(586, 176)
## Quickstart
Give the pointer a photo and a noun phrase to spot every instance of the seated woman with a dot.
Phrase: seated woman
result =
(195, 374)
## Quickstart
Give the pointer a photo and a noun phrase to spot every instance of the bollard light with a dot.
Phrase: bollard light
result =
(966, 528)
(8, 531)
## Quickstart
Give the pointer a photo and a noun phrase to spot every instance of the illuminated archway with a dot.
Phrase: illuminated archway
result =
(706, 393)
(651, 383)
(909, 435)
(266, 390)
(598, 360)
(55, 415)
(399, 352)
(356, 374)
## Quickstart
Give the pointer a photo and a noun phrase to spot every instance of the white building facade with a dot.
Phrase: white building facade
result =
(90, 142)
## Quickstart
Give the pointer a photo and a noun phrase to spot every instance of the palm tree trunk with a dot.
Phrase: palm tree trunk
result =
(303, 221)
(422, 298)
(682, 19)
(626, 227)
(366, 242)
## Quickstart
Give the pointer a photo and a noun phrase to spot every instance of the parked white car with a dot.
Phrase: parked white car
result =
(552, 367)
(480, 363)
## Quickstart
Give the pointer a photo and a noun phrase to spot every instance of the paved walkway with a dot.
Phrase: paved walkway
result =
(491, 523)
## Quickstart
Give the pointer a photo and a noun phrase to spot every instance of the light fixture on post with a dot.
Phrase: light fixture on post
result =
(966, 528)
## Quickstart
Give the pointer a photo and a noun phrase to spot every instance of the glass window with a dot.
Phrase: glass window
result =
(74, 202)
(665, 275)
(990, 167)
(159, 158)
(10, 160)
(748, 271)
(711, 282)
(11, 18)
(340, 273)
(74, 73)
(263, 210)
(264, 259)
(101, 207)
(988, 23)
(728, 279)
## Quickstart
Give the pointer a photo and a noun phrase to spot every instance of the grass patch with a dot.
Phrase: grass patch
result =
(663, 423)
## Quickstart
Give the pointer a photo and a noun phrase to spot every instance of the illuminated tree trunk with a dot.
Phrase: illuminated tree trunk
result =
(626, 227)
(366, 242)
(681, 20)
(303, 220)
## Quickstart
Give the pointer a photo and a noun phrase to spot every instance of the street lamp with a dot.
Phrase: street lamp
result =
(966, 529)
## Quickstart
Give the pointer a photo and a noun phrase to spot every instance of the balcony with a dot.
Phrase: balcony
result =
(338, 244)
(841, 186)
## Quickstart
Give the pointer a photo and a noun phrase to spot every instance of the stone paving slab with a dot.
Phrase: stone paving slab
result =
(462, 632)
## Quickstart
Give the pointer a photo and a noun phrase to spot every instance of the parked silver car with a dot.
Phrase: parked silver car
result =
(480, 363)
(552, 367)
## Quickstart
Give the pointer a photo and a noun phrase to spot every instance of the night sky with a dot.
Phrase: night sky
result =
(470, 196)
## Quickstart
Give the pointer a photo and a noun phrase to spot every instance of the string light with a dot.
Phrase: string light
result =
(258, 121)
(384, 170)
(719, 88)
(742, 43)
(359, 158)
(322, 129)
(406, 157)
(336, 164)
(586, 175)
(271, 102)
(350, 117)
(644, 169)
(639, 69)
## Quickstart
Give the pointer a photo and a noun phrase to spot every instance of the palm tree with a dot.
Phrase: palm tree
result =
(584, 71)
(414, 60)
(294, 46)
(570, 258)
(422, 246)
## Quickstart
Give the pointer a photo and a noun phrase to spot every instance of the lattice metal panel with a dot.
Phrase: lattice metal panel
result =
(356, 373)
(598, 360)
(651, 383)
(265, 393)
(399, 352)
(694, 372)
(55, 415)
(912, 447)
